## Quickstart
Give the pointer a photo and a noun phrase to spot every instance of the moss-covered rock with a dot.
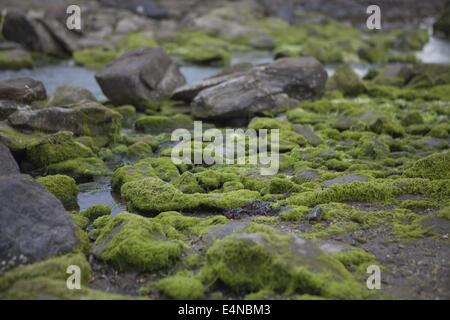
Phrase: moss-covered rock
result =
(47, 279)
(263, 259)
(63, 187)
(181, 287)
(345, 79)
(436, 166)
(138, 171)
(96, 211)
(139, 150)
(57, 148)
(15, 59)
(162, 123)
(81, 169)
(130, 241)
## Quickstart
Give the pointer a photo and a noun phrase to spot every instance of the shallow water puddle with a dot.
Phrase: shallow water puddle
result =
(99, 192)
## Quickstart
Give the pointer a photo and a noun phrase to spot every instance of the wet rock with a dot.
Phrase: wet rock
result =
(188, 92)
(308, 133)
(9, 107)
(13, 56)
(315, 214)
(67, 95)
(254, 208)
(309, 175)
(139, 77)
(263, 88)
(34, 224)
(29, 32)
(25, 90)
(224, 230)
(90, 118)
(344, 179)
(8, 164)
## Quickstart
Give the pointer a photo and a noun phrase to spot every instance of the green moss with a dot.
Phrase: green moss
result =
(62, 187)
(96, 211)
(440, 131)
(57, 148)
(139, 150)
(165, 169)
(181, 287)
(95, 58)
(444, 213)
(282, 185)
(53, 268)
(138, 171)
(161, 123)
(295, 214)
(152, 195)
(436, 166)
(131, 241)
(101, 222)
(413, 117)
(355, 191)
(80, 220)
(84, 244)
(263, 260)
(81, 169)
(88, 142)
(140, 40)
(345, 79)
(9, 60)
(18, 141)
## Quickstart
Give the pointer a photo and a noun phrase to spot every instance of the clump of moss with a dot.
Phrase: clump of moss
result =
(139, 150)
(138, 171)
(345, 79)
(95, 58)
(436, 166)
(354, 191)
(53, 268)
(80, 220)
(81, 169)
(57, 148)
(263, 259)
(295, 214)
(181, 287)
(130, 241)
(96, 211)
(62, 187)
(162, 123)
(444, 213)
(15, 60)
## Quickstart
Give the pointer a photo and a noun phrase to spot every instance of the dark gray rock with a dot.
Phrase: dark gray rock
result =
(344, 179)
(140, 76)
(29, 32)
(33, 223)
(267, 87)
(308, 133)
(91, 116)
(8, 164)
(24, 90)
(309, 175)
(315, 214)
(9, 107)
(67, 95)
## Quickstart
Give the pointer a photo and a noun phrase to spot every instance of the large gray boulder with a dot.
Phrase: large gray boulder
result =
(8, 164)
(90, 118)
(24, 90)
(262, 88)
(33, 223)
(29, 32)
(140, 77)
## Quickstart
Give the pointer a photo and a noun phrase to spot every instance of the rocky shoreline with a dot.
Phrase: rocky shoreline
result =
(364, 162)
